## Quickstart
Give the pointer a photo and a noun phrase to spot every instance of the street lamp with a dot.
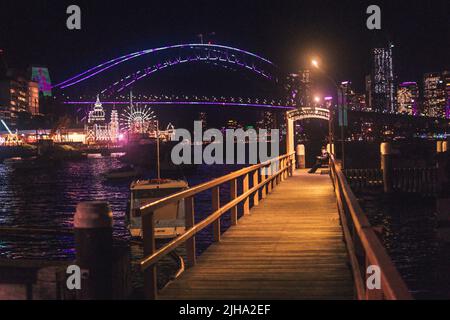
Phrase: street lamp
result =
(315, 63)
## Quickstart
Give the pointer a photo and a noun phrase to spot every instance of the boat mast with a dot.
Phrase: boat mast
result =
(158, 152)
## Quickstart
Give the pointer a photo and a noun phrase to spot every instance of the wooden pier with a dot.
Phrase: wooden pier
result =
(291, 246)
(306, 237)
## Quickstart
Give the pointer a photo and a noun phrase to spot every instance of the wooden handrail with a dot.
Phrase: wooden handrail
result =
(360, 236)
(286, 165)
(207, 185)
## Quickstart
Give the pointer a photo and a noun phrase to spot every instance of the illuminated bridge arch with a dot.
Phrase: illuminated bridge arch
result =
(309, 113)
(175, 55)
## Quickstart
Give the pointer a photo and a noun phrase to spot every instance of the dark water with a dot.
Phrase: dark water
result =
(47, 199)
(410, 235)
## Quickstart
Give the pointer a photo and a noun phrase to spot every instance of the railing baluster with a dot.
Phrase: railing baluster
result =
(233, 195)
(190, 222)
(263, 178)
(216, 206)
(148, 237)
(291, 160)
(255, 183)
(270, 184)
(245, 188)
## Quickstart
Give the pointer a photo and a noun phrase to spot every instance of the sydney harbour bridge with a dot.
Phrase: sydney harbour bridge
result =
(113, 79)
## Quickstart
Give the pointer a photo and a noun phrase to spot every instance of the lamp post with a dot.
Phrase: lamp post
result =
(315, 63)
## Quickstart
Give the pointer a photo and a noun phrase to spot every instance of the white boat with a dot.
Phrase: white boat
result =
(123, 173)
(169, 220)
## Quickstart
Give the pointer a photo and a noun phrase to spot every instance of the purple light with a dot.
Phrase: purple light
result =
(205, 103)
(96, 67)
(328, 98)
(159, 67)
(404, 84)
(114, 62)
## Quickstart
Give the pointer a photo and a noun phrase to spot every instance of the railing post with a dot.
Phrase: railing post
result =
(216, 206)
(288, 163)
(233, 195)
(190, 222)
(245, 188)
(291, 166)
(148, 237)
(277, 178)
(255, 183)
(263, 179)
(270, 184)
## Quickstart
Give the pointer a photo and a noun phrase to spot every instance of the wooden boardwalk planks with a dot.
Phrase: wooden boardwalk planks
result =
(290, 247)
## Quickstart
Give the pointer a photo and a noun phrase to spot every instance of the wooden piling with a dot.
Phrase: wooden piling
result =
(386, 166)
(94, 249)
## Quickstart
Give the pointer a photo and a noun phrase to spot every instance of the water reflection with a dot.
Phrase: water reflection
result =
(47, 199)
(409, 233)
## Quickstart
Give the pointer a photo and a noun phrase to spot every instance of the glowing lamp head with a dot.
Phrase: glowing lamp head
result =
(315, 63)
(317, 99)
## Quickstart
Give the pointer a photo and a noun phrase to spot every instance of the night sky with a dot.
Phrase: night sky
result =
(286, 32)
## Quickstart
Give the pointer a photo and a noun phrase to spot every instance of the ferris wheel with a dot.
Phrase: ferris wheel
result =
(137, 119)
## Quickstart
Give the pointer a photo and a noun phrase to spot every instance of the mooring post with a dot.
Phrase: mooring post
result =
(301, 155)
(93, 223)
(441, 164)
(439, 147)
(386, 166)
(330, 148)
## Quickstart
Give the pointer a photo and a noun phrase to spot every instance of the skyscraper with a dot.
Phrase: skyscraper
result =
(436, 94)
(383, 80)
(408, 98)
(299, 88)
(369, 93)
(348, 96)
(17, 95)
